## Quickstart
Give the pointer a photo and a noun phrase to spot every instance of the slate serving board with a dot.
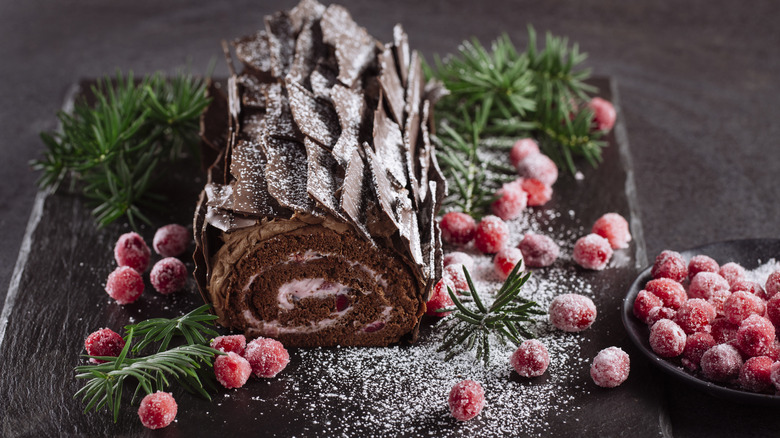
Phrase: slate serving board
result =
(56, 300)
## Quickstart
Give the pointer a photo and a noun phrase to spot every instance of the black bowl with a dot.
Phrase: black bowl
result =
(749, 253)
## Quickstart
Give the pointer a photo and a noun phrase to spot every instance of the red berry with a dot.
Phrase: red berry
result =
(124, 285)
(232, 370)
(610, 367)
(695, 347)
(538, 250)
(440, 298)
(457, 228)
(104, 342)
(756, 374)
(157, 410)
(531, 359)
(772, 285)
(506, 260)
(539, 193)
(521, 149)
(466, 400)
(230, 343)
(723, 331)
(695, 315)
(492, 234)
(459, 258)
(168, 275)
(455, 274)
(774, 375)
(267, 356)
(572, 312)
(742, 304)
(718, 300)
(171, 240)
(774, 350)
(732, 272)
(721, 363)
(131, 250)
(669, 264)
(604, 114)
(751, 287)
(704, 284)
(667, 339)
(645, 301)
(614, 228)
(540, 167)
(671, 293)
(702, 263)
(592, 252)
(773, 310)
(511, 202)
(658, 313)
(755, 336)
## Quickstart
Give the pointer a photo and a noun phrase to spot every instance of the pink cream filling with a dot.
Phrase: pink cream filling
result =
(296, 290)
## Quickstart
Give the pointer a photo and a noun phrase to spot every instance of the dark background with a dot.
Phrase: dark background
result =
(698, 84)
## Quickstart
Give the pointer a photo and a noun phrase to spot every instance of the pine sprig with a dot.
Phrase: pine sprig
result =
(114, 147)
(193, 326)
(505, 318)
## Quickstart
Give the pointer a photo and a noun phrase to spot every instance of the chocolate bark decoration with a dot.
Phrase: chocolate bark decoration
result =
(355, 49)
(250, 191)
(391, 85)
(350, 107)
(253, 51)
(354, 193)
(252, 91)
(414, 90)
(306, 11)
(382, 188)
(279, 117)
(322, 81)
(214, 125)
(388, 144)
(316, 119)
(401, 50)
(308, 47)
(281, 43)
(424, 156)
(323, 181)
(286, 174)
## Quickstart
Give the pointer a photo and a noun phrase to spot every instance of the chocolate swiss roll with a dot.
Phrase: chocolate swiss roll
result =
(317, 223)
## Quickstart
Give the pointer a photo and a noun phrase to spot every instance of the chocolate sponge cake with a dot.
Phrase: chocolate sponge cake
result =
(317, 224)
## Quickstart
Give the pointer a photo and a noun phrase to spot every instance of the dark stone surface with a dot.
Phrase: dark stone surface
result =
(697, 81)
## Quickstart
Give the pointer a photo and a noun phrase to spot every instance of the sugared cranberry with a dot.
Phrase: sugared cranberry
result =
(671, 293)
(506, 260)
(774, 350)
(440, 299)
(510, 203)
(104, 342)
(540, 167)
(614, 228)
(718, 300)
(131, 250)
(522, 149)
(610, 367)
(756, 374)
(168, 275)
(457, 277)
(755, 336)
(721, 363)
(742, 304)
(658, 313)
(749, 286)
(491, 235)
(772, 285)
(232, 371)
(773, 310)
(732, 272)
(695, 347)
(702, 263)
(157, 410)
(538, 250)
(459, 258)
(604, 114)
(723, 331)
(694, 315)
(669, 264)
(774, 375)
(229, 343)
(457, 228)
(667, 339)
(466, 400)
(704, 283)
(267, 356)
(643, 303)
(539, 193)
(124, 285)
(531, 359)
(572, 312)
(592, 252)
(171, 240)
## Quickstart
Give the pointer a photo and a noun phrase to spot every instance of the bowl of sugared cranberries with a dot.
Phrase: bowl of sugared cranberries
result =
(707, 317)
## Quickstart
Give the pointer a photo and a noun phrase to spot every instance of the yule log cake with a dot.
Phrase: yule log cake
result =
(317, 224)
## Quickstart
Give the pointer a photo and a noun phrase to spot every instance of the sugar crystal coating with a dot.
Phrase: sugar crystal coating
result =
(171, 240)
(466, 400)
(610, 367)
(704, 284)
(774, 375)
(658, 313)
(456, 275)
(667, 339)
(538, 250)
(268, 357)
(732, 272)
(695, 315)
(756, 374)
(718, 300)
(751, 287)
(124, 285)
(104, 342)
(669, 264)
(510, 203)
(531, 358)
(702, 263)
(229, 343)
(671, 293)
(460, 258)
(157, 410)
(538, 192)
(457, 228)
(721, 363)
(643, 303)
(695, 347)
(506, 260)
(491, 235)
(755, 336)
(232, 370)
(772, 285)
(592, 252)
(604, 114)
(572, 312)
(168, 275)
(540, 167)
(742, 304)
(773, 310)
(131, 250)
(440, 298)
(723, 331)
(521, 149)
(614, 228)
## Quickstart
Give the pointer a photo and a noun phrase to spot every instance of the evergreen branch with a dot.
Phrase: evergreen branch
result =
(194, 326)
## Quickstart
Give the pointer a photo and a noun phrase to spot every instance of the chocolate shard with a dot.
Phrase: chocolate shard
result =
(315, 118)
(281, 43)
(350, 107)
(424, 155)
(355, 193)
(214, 125)
(250, 189)
(322, 80)
(308, 48)
(286, 174)
(307, 11)
(252, 91)
(382, 188)
(389, 146)
(220, 209)
(253, 51)
(391, 85)
(414, 90)
(355, 48)
(401, 51)
(323, 178)
(279, 118)
(409, 229)
(435, 174)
